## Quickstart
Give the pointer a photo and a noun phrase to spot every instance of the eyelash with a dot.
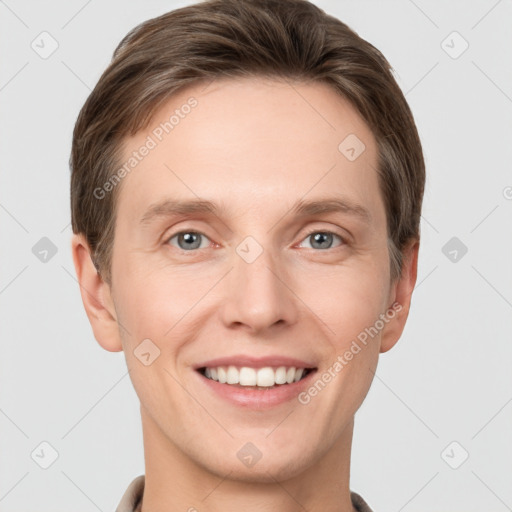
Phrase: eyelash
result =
(312, 232)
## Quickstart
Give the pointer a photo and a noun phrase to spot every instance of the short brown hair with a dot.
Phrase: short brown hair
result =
(238, 38)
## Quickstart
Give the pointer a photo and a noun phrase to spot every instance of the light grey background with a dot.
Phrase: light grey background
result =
(449, 377)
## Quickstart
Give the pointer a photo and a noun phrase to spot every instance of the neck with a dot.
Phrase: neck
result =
(175, 480)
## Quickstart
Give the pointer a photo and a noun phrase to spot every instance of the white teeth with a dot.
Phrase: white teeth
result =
(221, 373)
(232, 376)
(266, 377)
(247, 376)
(262, 377)
(281, 375)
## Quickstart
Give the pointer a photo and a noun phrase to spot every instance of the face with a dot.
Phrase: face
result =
(285, 264)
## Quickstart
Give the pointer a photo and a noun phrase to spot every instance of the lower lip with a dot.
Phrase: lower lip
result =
(255, 398)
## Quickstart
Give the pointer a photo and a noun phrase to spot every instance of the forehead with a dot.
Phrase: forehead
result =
(267, 139)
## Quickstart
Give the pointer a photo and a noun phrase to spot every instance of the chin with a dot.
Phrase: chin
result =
(247, 463)
(262, 472)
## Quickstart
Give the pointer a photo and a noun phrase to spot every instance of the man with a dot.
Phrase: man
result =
(247, 182)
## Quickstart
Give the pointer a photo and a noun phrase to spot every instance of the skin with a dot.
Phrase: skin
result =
(254, 146)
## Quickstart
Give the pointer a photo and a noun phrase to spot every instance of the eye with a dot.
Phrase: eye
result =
(188, 240)
(322, 239)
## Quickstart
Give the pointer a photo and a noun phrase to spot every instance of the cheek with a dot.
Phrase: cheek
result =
(155, 313)
(166, 306)
(157, 303)
(148, 297)
(345, 302)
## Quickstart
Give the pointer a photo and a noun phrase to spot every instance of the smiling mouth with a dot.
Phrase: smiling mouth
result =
(255, 378)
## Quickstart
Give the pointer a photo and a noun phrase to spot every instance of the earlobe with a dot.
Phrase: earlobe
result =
(96, 297)
(403, 288)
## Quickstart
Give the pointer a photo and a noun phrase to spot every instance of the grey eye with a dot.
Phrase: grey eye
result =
(322, 239)
(188, 240)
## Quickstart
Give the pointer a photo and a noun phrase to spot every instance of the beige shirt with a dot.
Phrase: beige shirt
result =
(132, 498)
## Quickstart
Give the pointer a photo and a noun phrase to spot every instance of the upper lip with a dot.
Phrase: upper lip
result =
(255, 362)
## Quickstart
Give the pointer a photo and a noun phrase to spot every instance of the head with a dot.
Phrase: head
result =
(298, 159)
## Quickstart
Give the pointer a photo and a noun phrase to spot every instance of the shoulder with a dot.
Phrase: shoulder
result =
(132, 496)
(359, 504)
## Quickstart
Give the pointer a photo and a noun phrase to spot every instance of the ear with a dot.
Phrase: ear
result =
(96, 297)
(400, 297)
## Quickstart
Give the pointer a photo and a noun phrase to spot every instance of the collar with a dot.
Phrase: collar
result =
(132, 498)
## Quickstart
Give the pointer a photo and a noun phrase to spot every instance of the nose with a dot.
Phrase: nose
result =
(258, 295)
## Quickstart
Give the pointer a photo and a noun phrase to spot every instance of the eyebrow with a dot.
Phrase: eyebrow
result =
(173, 207)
